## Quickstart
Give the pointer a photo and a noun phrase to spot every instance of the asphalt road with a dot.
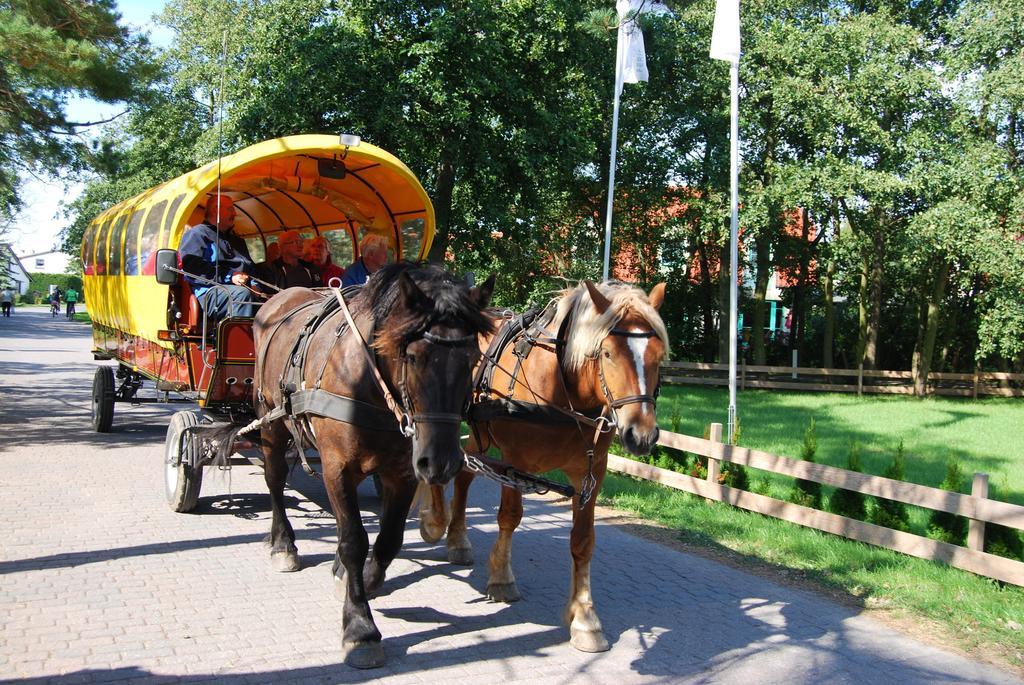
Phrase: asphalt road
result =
(101, 582)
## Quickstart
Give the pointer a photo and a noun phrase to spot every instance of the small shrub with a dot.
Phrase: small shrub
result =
(667, 457)
(735, 475)
(1003, 541)
(806, 492)
(850, 503)
(886, 512)
(945, 526)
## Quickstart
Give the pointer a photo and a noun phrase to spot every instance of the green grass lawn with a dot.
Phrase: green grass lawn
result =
(953, 606)
(981, 434)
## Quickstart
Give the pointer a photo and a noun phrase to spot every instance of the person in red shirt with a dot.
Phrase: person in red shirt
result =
(319, 254)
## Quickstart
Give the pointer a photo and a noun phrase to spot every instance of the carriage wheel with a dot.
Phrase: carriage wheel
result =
(183, 477)
(103, 399)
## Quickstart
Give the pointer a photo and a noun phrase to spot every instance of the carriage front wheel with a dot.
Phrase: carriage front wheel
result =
(183, 475)
(103, 399)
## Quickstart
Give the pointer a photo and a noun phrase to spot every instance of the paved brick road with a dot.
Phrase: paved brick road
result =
(101, 582)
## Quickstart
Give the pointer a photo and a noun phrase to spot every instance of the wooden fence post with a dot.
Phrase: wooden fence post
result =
(713, 464)
(860, 379)
(974, 395)
(976, 529)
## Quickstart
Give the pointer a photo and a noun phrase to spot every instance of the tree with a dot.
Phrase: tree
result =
(48, 52)
(986, 60)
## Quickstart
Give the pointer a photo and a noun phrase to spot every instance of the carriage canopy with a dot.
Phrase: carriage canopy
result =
(335, 186)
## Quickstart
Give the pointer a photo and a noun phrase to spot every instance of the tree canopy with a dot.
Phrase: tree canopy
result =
(51, 50)
(881, 148)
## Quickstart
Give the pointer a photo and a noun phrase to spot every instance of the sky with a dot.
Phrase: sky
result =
(38, 228)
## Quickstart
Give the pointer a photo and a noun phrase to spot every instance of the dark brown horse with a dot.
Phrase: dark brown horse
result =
(588, 364)
(424, 326)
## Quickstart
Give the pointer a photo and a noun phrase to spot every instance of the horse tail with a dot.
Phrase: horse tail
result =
(219, 434)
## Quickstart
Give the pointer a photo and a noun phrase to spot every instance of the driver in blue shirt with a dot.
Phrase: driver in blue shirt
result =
(214, 252)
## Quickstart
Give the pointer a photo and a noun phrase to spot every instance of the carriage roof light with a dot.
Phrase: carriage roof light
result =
(349, 140)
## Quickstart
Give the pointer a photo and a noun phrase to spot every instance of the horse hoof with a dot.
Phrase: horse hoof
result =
(462, 556)
(364, 654)
(429, 533)
(503, 592)
(589, 641)
(285, 562)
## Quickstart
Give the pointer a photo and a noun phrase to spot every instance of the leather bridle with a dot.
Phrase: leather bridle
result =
(408, 418)
(614, 403)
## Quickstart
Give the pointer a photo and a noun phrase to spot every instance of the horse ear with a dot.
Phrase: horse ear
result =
(657, 296)
(601, 303)
(482, 293)
(413, 296)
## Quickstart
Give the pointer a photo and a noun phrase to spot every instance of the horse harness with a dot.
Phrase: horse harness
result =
(298, 403)
(525, 331)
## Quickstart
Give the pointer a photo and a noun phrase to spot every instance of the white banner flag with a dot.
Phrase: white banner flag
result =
(725, 38)
(633, 57)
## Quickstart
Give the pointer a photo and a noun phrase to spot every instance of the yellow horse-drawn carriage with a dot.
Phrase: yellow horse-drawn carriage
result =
(150, 323)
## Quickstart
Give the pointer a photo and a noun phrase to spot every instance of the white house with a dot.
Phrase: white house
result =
(46, 262)
(12, 272)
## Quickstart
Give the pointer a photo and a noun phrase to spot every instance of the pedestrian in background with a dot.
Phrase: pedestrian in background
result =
(7, 301)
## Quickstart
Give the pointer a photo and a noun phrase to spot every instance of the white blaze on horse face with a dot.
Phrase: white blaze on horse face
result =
(638, 346)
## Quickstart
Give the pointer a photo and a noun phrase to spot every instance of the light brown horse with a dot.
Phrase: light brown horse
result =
(599, 372)
(423, 324)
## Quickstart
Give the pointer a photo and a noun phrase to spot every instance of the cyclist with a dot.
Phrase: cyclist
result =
(55, 302)
(71, 297)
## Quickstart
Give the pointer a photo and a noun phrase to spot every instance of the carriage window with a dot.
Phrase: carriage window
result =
(149, 238)
(88, 243)
(114, 246)
(412, 238)
(100, 265)
(339, 242)
(131, 244)
(256, 249)
(165, 237)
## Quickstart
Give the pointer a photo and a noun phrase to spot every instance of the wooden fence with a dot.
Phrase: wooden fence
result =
(976, 507)
(844, 380)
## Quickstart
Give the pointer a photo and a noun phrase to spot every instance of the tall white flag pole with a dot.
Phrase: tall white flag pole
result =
(611, 164)
(725, 45)
(630, 67)
(734, 172)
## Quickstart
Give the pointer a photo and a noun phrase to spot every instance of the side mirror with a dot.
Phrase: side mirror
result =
(165, 261)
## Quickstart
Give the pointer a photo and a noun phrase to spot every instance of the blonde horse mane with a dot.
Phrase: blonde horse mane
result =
(588, 328)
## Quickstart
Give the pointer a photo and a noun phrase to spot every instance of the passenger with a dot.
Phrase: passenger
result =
(289, 270)
(373, 254)
(273, 252)
(320, 256)
(212, 251)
